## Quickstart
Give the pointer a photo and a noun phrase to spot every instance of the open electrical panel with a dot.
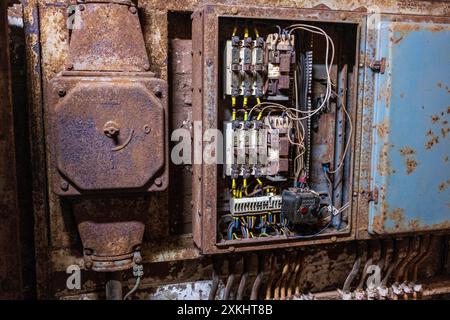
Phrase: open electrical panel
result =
(284, 91)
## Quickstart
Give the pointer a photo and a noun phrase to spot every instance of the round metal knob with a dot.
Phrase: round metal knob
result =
(111, 129)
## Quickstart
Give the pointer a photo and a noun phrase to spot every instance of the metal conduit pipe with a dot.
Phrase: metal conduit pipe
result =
(394, 261)
(426, 254)
(351, 276)
(284, 272)
(359, 292)
(298, 277)
(231, 278)
(407, 288)
(388, 255)
(285, 282)
(273, 269)
(215, 278)
(414, 251)
(244, 278)
(293, 279)
(259, 276)
(400, 266)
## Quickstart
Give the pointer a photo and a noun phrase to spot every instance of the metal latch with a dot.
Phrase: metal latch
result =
(378, 65)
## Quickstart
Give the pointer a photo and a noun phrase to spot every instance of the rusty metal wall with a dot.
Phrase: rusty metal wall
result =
(10, 261)
(169, 254)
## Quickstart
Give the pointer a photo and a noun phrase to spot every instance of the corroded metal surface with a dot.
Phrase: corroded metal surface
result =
(107, 132)
(10, 264)
(205, 108)
(406, 173)
(119, 45)
(55, 232)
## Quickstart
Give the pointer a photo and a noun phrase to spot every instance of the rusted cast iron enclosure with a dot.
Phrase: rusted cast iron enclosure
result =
(174, 266)
(108, 127)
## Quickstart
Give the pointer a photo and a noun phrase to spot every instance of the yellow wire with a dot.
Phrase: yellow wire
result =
(245, 102)
(245, 116)
(233, 102)
(256, 32)
(259, 116)
(258, 100)
(245, 183)
(246, 31)
(259, 181)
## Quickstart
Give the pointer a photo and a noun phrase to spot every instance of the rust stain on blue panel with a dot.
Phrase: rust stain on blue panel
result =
(410, 135)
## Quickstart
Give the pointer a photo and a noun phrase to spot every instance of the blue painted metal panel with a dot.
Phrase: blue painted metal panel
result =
(411, 132)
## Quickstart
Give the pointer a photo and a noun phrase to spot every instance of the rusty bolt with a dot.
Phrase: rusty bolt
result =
(146, 67)
(234, 10)
(147, 129)
(69, 66)
(133, 10)
(355, 194)
(343, 16)
(61, 92)
(88, 264)
(333, 239)
(158, 182)
(111, 129)
(81, 7)
(64, 185)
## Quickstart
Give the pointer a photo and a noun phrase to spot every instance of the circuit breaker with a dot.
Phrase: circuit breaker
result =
(283, 98)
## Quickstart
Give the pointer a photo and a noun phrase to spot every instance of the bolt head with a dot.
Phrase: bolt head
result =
(133, 10)
(158, 182)
(61, 92)
(88, 264)
(81, 7)
(64, 185)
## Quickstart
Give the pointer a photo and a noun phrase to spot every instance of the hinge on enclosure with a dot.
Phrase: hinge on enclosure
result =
(378, 65)
(373, 195)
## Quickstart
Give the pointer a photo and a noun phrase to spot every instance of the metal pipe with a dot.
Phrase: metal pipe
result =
(293, 281)
(407, 286)
(273, 269)
(230, 280)
(259, 276)
(286, 280)
(215, 278)
(244, 277)
(359, 292)
(426, 253)
(400, 266)
(113, 285)
(392, 264)
(352, 275)
(284, 271)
